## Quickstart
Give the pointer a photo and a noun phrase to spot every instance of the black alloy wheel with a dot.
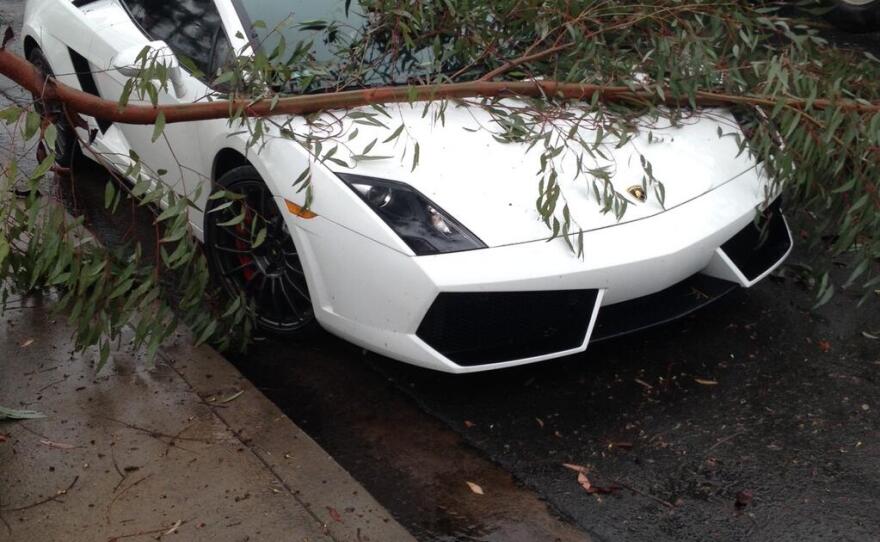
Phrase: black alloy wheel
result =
(267, 271)
(65, 141)
(856, 15)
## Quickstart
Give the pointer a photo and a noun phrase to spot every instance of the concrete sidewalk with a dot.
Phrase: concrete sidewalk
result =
(185, 450)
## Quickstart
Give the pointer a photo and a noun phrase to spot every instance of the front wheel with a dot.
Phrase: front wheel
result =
(251, 253)
(856, 15)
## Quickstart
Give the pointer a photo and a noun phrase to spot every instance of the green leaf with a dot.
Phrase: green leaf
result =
(43, 168)
(109, 194)
(10, 114)
(235, 221)
(261, 237)
(366, 158)
(394, 135)
(31, 124)
(104, 355)
(233, 307)
(207, 333)
(51, 136)
(369, 147)
(12, 414)
(416, 154)
(159, 128)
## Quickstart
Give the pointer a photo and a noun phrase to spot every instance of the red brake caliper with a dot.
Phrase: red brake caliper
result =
(243, 231)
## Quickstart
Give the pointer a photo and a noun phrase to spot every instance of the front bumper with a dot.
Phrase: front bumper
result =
(490, 299)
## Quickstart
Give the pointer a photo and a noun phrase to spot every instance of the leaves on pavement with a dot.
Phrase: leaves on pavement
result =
(59, 445)
(584, 481)
(744, 498)
(334, 514)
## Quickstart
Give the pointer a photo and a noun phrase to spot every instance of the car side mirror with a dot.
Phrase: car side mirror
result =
(128, 63)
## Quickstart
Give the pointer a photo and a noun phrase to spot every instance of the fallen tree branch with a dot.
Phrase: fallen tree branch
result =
(26, 75)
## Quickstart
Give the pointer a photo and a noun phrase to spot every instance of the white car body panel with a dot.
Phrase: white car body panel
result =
(492, 187)
(366, 284)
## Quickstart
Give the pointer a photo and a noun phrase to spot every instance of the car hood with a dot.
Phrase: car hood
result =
(492, 187)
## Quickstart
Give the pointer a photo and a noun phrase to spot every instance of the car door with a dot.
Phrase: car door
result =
(194, 30)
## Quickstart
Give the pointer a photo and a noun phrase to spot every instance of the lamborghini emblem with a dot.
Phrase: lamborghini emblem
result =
(637, 192)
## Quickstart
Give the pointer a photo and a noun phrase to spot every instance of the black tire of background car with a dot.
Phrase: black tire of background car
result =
(65, 142)
(230, 254)
(856, 16)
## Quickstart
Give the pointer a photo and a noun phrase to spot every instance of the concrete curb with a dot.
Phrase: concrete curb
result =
(344, 508)
(187, 448)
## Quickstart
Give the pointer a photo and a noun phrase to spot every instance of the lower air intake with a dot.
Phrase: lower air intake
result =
(479, 328)
(759, 246)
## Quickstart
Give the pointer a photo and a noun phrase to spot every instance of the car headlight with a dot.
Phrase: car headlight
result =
(422, 225)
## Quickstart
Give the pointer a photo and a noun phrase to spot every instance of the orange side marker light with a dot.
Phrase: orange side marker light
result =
(299, 211)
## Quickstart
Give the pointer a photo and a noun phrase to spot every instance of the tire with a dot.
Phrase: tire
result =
(270, 275)
(856, 15)
(65, 142)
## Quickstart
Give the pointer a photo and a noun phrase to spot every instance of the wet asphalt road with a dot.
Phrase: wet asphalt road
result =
(756, 399)
(741, 399)
(756, 395)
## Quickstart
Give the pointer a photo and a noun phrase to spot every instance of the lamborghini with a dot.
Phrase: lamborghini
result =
(447, 265)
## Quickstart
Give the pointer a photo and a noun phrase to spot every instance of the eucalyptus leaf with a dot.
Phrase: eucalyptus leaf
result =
(12, 414)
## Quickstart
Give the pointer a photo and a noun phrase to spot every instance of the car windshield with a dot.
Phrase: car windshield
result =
(302, 21)
(317, 38)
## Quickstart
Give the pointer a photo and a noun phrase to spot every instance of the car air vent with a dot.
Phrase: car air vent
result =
(760, 245)
(87, 82)
(664, 306)
(478, 328)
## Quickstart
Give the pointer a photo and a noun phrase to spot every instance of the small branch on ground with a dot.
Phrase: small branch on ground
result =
(172, 443)
(728, 438)
(170, 529)
(6, 524)
(120, 494)
(157, 434)
(667, 504)
(54, 497)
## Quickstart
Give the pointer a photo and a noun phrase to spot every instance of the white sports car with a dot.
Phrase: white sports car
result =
(447, 265)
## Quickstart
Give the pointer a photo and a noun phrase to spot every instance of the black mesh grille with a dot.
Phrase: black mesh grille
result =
(758, 246)
(477, 328)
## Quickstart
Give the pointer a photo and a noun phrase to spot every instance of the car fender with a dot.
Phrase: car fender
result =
(54, 48)
(281, 161)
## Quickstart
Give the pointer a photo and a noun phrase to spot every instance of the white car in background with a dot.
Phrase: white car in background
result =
(448, 265)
